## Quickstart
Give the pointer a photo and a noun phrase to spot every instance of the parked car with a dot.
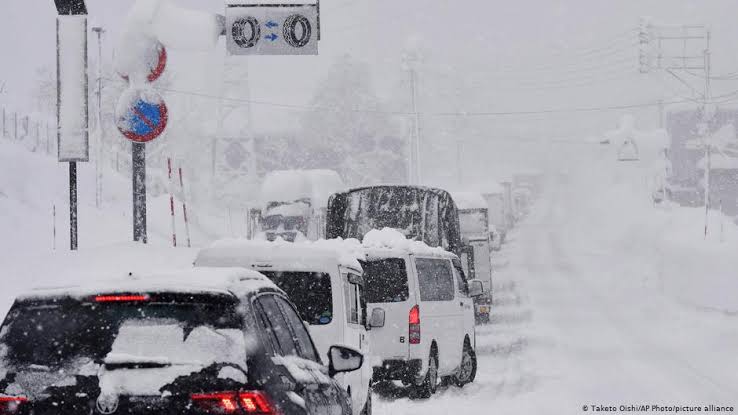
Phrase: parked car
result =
(325, 282)
(429, 330)
(223, 341)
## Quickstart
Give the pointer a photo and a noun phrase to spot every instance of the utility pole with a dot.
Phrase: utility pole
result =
(100, 130)
(707, 115)
(410, 60)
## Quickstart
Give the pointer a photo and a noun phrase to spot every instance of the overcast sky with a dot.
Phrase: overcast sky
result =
(496, 56)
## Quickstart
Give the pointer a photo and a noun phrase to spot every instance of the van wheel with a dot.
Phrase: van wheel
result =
(430, 382)
(468, 367)
(368, 405)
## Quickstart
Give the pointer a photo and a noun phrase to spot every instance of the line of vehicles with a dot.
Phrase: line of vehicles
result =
(389, 291)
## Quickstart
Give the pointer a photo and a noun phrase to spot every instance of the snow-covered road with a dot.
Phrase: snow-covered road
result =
(582, 317)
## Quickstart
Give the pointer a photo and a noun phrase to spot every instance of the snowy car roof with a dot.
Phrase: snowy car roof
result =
(312, 255)
(235, 281)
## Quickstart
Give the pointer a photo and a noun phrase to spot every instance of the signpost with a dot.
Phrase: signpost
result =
(141, 116)
(272, 29)
(71, 99)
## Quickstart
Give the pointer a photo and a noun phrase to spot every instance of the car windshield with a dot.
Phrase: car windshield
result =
(57, 333)
(385, 280)
(309, 291)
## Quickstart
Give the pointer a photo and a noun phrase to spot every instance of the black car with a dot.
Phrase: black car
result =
(206, 341)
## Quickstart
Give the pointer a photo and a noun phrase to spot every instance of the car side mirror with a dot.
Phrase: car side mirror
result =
(377, 318)
(476, 288)
(344, 359)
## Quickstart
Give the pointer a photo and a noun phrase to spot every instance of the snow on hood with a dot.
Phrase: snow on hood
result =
(165, 344)
(393, 239)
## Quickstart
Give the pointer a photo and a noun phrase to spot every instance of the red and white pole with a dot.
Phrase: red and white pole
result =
(171, 202)
(184, 208)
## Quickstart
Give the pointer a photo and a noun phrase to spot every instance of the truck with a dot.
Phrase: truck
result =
(294, 204)
(474, 223)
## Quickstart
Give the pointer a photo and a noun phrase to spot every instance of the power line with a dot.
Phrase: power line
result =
(443, 114)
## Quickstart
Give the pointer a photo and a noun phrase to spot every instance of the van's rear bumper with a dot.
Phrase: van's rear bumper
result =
(404, 370)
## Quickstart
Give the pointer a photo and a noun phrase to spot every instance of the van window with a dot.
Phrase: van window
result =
(385, 280)
(435, 278)
(351, 296)
(309, 291)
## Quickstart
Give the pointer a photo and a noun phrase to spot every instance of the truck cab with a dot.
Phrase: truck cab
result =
(294, 203)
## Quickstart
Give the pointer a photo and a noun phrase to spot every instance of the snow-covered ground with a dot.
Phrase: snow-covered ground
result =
(603, 299)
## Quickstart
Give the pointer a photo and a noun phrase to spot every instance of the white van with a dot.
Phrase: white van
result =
(429, 332)
(326, 286)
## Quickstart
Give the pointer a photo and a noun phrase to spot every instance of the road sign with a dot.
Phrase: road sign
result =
(73, 139)
(272, 29)
(154, 59)
(141, 115)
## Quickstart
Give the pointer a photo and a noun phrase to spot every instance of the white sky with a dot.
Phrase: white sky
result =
(543, 40)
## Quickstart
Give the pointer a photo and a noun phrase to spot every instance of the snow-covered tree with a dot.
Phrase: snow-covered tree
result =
(348, 130)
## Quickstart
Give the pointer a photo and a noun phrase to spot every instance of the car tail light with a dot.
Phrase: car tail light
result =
(11, 404)
(247, 402)
(414, 325)
(118, 298)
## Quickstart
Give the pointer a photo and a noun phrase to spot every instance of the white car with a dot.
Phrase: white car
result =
(326, 286)
(429, 332)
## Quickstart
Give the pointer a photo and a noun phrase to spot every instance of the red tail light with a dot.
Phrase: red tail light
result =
(11, 404)
(247, 402)
(120, 298)
(414, 325)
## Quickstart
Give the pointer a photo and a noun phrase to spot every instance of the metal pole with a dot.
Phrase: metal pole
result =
(184, 209)
(73, 205)
(98, 159)
(171, 202)
(138, 167)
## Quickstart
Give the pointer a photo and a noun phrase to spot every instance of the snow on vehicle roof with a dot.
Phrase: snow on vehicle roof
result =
(321, 254)
(469, 200)
(238, 281)
(392, 239)
(290, 185)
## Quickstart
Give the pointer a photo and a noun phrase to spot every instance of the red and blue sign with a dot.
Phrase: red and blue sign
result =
(142, 120)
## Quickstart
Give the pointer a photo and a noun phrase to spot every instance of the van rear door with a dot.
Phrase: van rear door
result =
(387, 287)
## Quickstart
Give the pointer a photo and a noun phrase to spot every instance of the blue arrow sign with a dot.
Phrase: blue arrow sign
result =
(272, 37)
(271, 24)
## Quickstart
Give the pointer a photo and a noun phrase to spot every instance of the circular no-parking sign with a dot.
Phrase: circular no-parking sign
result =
(141, 115)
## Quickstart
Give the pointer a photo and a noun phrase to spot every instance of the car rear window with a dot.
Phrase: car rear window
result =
(56, 333)
(310, 292)
(385, 280)
(435, 278)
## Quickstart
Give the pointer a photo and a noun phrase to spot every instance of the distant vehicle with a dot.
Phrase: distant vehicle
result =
(475, 233)
(327, 288)
(294, 203)
(420, 213)
(429, 309)
(223, 341)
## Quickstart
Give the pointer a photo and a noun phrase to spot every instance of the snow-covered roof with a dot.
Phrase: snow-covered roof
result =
(307, 255)
(290, 185)
(469, 200)
(195, 280)
(394, 240)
